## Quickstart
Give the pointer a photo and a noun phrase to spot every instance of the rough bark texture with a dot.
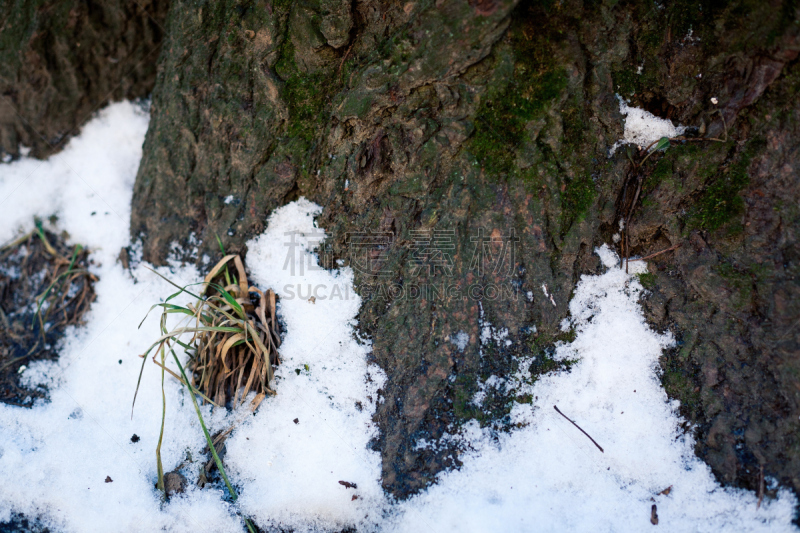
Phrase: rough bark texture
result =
(60, 61)
(493, 120)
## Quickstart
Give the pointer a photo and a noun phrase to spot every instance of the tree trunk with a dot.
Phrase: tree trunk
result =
(60, 61)
(480, 128)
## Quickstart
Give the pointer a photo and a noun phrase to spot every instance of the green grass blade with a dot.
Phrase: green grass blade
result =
(182, 289)
(222, 249)
(159, 466)
(139, 381)
(40, 233)
(229, 299)
(210, 442)
(64, 274)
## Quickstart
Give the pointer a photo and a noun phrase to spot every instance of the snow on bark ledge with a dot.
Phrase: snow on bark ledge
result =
(643, 128)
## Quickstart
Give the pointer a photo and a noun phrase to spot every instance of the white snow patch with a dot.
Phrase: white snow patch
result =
(608, 257)
(460, 339)
(290, 473)
(547, 476)
(59, 453)
(493, 382)
(548, 295)
(643, 128)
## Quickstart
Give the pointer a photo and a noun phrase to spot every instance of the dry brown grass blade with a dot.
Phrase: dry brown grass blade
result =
(262, 305)
(238, 388)
(272, 312)
(16, 242)
(234, 338)
(227, 346)
(237, 261)
(257, 401)
(215, 271)
(176, 376)
(250, 380)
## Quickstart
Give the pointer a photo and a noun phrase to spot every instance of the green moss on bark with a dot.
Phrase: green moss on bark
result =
(721, 201)
(305, 94)
(504, 114)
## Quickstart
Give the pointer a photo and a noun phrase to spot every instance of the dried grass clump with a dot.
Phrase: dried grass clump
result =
(234, 336)
(229, 363)
(45, 287)
(232, 349)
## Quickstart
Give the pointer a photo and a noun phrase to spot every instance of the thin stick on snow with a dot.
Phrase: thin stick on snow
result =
(577, 426)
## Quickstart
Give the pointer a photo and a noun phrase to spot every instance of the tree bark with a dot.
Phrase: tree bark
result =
(62, 61)
(462, 117)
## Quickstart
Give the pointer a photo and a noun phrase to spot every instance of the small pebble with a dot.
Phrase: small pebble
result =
(174, 483)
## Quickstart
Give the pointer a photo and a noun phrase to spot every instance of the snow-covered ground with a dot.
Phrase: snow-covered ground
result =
(545, 476)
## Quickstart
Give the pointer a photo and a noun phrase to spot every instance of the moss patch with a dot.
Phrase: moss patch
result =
(542, 347)
(305, 95)
(578, 196)
(647, 279)
(681, 380)
(500, 125)
(739, 281)
(721, 201)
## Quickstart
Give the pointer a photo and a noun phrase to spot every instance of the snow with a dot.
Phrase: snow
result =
(460, 339)
(295, 483)
(56, 456)
(65, 449)
(643, 128)
(543, 476)
(548, 295)
(547, 476)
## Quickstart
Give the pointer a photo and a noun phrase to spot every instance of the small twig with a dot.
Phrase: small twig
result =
(685, 139)
(344, 58)
(627, 247)
(760, 487)
(674, 246)
(8, 364)
(577, 426)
